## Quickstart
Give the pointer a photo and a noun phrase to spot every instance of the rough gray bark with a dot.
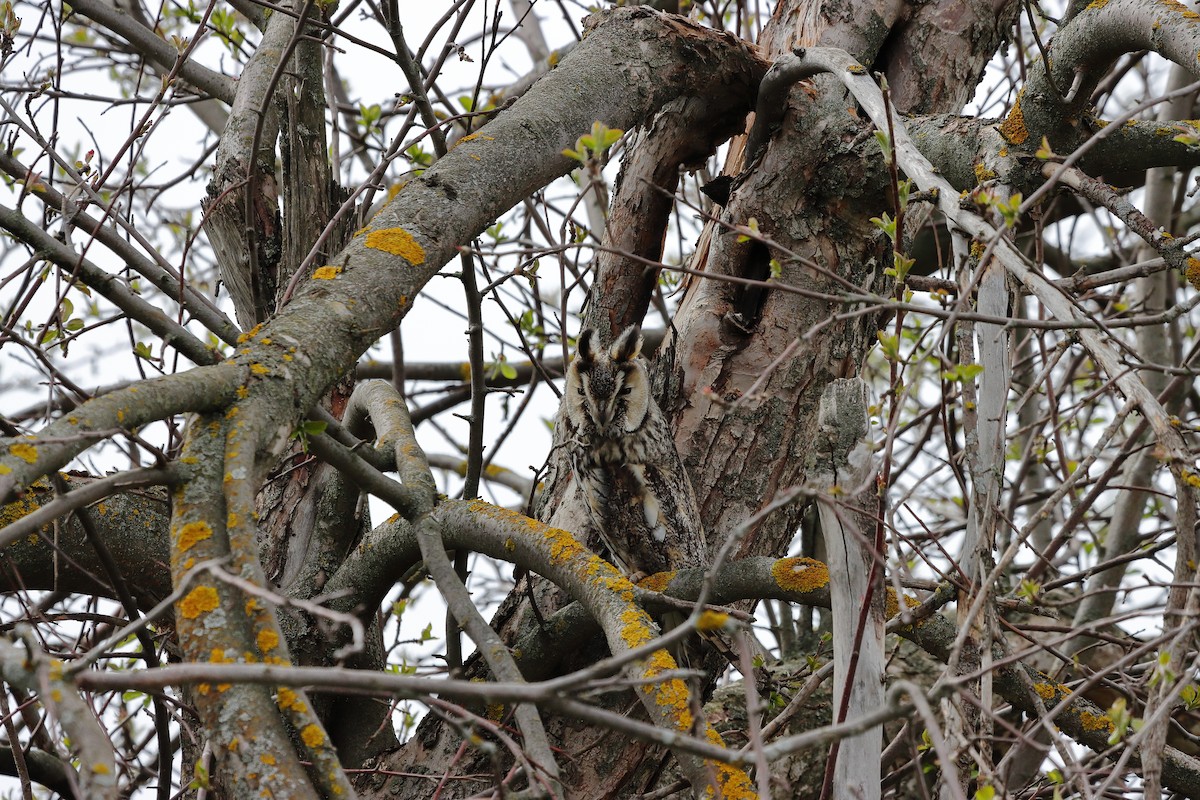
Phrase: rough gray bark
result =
(779, 306)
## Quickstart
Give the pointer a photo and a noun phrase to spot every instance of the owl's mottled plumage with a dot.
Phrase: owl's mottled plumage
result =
(639, 500)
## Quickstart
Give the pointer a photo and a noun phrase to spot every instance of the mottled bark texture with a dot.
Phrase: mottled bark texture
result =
(813, 191)
(741, 372)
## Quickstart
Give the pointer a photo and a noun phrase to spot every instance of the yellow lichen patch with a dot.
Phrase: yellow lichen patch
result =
(800, 574)
(671, 694)
(635, 628)
(100, 769)
(289, 700)
(712, 621)
(1192, 271)
(472, 136)
(398, 242)
(326, 273)
(312, 735)
(891, 608)
(267, 640)
(982, 173)
(1013, 128)
(495, 711)
(464, 370)
(198, 601)
(232, 520)
(607, 576)
(564, 546)
(13, 511)
(1176, 6)
(1049, 691)
(735, 783)
(657, 582)
(26, 452)
(267, 759)
(191, 533)
(1095, 4)
(217, 656)
(1095, 722)
(259, 369)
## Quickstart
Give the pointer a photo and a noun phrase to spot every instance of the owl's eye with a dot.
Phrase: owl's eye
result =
(625, 390)
(580, 390)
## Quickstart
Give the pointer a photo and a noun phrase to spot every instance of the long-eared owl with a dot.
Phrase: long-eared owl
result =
(640, 503)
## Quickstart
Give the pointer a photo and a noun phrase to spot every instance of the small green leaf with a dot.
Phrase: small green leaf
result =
(886, 224)
(890, 344)
(885, 145)
(312, 427)
(1120, 718)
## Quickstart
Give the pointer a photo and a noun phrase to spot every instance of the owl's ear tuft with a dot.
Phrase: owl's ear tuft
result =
(585, 349)
(628, 345)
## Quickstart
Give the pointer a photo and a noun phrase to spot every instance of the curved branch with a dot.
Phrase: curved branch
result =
(1081, 53)
(28, 458)
(161, 274)
(27, 667)
(499, 660)
(158, 50)
(108, 286)
(391, 547)
(369, 286)
(217, 622)
(45, 769)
